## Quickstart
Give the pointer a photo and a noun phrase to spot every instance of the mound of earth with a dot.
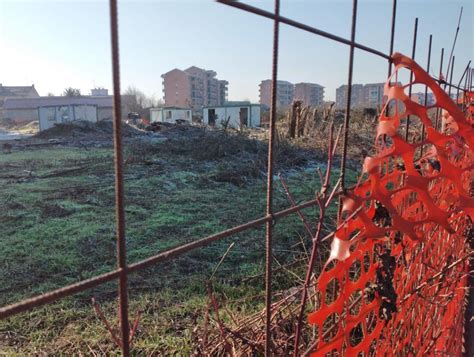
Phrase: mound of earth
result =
(31, 127)
(87, 129)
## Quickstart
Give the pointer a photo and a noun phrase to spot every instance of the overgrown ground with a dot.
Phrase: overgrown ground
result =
(57, 222)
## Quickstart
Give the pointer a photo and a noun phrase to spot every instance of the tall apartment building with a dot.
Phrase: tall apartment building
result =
(193, 88)
(373, 95)
(363, 95)
(419, 97)
(309, 93)
(356, 95)
(285, 93)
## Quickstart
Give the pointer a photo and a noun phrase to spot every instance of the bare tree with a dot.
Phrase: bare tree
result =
(134, 100)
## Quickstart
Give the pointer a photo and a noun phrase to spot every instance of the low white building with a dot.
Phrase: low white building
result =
(170, 114)
(51, 115)
(238, 115)
(24, 110)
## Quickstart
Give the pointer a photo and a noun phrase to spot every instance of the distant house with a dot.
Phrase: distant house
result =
(23, 110)
(237, 115)
(170, 114)
(99, 92)
(15, 92)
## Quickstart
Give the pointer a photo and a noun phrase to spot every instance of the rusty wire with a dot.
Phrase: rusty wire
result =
(451, 58)
(413, 52)
(440, 77)
(426, 92)
(451, 76)
(462, 77)
(167, 255)
(269, 209)
(392, 35)
(293, 23)
(348, 99)
(119, 191)
(123, 269)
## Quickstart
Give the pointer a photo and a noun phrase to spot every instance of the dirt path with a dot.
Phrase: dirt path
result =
(10, 135)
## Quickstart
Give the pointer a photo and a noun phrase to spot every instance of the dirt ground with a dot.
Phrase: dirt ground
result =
(181, 183)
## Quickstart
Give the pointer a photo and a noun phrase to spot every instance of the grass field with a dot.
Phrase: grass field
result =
(58, 228)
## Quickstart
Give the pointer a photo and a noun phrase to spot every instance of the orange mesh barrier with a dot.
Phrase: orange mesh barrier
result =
(468, 100)
(395, 281)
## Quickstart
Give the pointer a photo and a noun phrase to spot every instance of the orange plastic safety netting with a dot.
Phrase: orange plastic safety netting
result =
(395, 281)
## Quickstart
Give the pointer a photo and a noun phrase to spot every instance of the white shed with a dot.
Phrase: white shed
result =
(238, 115)
(170, 114)
(51, 115)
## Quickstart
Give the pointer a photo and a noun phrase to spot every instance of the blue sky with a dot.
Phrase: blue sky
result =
(57, 44)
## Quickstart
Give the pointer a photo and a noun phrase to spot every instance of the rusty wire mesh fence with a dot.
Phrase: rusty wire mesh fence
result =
(269, 219)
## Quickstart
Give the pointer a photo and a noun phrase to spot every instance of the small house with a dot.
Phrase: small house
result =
(170, 114)
(51, 115)
(233, 115)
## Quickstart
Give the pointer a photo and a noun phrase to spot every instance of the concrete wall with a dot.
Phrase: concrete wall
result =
(49, 116)
(21, 115)
(106, 113)
(28, 115)
(170, 115)
(234, 112)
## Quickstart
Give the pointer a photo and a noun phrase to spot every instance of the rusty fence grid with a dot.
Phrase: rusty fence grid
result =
(271, 217)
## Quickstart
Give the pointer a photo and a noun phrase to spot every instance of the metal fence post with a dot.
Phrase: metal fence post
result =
(269, 210)
(119, 191)
(413, 52)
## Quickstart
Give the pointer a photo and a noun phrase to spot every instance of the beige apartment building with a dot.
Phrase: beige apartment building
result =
(363, 95)
(193, 88)
(311, 94)
(419, 98)
(285, 93)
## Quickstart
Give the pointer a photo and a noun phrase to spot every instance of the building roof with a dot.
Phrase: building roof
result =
(232, 105)
(34, 103)
(18, 91)
(279, 81)
(355, 85)
(375, 84)
(194, 68)
(310, 84)
(170, 108)
(173, 70)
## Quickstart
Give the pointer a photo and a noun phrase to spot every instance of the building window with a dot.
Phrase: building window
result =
(51, 114)
(187, 114)
(168, 114)
(63, 112)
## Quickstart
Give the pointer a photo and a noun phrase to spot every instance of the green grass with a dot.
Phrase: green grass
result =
(60, 230)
